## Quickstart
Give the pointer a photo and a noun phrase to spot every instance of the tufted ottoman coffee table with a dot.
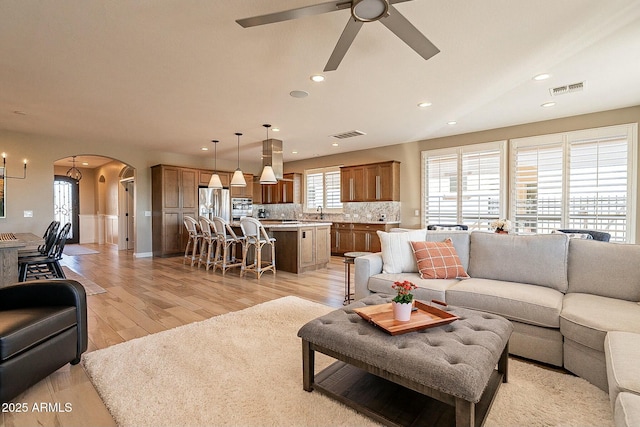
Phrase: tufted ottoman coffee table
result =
(438, 376)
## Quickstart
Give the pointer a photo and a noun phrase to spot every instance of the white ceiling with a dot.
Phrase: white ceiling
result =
(173, 74)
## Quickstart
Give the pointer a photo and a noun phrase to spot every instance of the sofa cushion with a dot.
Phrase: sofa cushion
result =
(591, 261)
(460, 241)
(622, 351)
(428, 289)
(626, 411)
(537, 259)
(438, 260)
(397, 256)
(24, 328)
(587, 318)
(536, 305)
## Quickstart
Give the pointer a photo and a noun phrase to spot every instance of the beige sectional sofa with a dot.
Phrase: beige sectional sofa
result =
(562, 295)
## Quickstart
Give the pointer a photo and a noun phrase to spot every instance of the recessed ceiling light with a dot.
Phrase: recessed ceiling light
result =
(205, 148)
(548, 104)
(335, 144)
(294, 152)
(299, 93)
(275, 129)
(543, 76)
(317, 78)
(451, 122)
(424, 104)
(85, 164)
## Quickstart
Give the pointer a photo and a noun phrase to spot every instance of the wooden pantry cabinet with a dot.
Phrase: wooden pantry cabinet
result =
(174, 194)
(375, 182)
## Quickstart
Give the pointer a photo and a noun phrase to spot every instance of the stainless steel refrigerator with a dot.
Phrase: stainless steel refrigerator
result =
(215, 203)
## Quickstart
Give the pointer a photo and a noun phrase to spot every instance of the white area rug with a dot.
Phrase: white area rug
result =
(245, 369)
(73, 250)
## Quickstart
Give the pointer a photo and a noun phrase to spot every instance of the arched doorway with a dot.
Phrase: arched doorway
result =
(105, 216)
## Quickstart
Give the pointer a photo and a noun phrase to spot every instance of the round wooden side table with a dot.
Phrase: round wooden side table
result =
(349, 259)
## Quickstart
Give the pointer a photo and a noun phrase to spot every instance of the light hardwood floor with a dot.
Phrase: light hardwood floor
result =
(145, 296)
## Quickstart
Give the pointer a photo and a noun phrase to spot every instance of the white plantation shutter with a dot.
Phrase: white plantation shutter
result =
(576, 180)
(463, 185)
(323, 189)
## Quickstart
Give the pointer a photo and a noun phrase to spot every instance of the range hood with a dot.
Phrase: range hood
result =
(272, 155)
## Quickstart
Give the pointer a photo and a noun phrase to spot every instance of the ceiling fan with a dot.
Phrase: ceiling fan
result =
(361, 11)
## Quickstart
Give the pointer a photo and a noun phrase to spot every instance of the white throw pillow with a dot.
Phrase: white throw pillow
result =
(397, 254)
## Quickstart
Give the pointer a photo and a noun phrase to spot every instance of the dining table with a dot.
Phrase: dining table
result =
(10, 244)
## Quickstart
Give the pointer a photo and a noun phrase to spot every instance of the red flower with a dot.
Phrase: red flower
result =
(403, 289)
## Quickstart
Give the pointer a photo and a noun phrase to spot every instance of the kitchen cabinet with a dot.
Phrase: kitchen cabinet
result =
(375, 182)
(287, 190)
(243, 191)
(205, 176)
(174, 194)
(301, 247)
(356, 237)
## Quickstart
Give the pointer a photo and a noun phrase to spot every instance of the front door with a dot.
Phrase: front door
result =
(66, 205)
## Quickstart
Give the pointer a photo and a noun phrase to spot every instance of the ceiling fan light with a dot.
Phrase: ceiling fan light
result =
(238, 179)
(215, 182)
(369, 10)
(268, 176)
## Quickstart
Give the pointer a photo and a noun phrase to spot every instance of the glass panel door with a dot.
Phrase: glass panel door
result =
(66, 205)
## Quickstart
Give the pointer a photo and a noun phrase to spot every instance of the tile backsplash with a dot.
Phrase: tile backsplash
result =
(351, 212)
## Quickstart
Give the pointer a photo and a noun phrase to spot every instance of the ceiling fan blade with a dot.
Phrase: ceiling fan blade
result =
(287, 15)
(401, 27)
(345, 40)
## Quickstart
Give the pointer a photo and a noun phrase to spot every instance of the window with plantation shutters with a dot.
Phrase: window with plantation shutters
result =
(464, 185)
(323, 189)
(577, 180)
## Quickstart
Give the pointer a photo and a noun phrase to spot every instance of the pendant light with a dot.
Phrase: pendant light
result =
(268, 176)
(215, 182)
(74, 172)
(238, 177)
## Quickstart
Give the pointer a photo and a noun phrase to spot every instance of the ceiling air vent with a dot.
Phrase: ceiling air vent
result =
(573, 87)
(349, 134)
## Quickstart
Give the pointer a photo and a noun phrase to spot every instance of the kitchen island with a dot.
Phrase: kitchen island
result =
(300, 246)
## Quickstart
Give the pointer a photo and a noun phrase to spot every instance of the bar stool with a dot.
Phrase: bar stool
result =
(256, 237)
(193, 244)
(208, 243)
(349, 260)
(225, 257)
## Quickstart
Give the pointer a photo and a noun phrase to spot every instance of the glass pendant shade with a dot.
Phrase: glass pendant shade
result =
(215, 182)
(238, 179)
(268, 176)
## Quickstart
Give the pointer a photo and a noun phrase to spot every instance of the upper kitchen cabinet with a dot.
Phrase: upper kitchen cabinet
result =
(287, 190)
(205, 176)
(375, 182)
(243, 191)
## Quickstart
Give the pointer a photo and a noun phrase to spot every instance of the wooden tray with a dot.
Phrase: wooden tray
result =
(425, 316)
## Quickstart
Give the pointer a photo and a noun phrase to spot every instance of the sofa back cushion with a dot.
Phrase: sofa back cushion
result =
(537, 259)
(606, 269)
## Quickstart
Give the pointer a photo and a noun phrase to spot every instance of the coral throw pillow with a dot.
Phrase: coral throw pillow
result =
(438, 260)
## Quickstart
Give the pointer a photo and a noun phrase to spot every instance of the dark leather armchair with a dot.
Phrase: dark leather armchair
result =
(43, 326)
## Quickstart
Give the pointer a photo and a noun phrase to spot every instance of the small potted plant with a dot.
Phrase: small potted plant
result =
(403, 301)
(501, 226)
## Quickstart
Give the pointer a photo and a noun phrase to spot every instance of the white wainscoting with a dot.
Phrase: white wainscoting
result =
(110, 229)
(88, 229)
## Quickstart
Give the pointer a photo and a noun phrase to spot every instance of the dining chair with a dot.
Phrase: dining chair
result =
(193, 242)
(256, 237)
(226, 250)
(208, 243)
(48, 266)
(49, 237)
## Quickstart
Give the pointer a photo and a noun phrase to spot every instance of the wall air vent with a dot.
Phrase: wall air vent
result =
(570, 88)
(349, 134)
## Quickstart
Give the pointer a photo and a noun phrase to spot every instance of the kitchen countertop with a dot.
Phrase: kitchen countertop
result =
(288, 224)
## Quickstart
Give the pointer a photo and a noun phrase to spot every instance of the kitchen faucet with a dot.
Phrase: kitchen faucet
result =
(319, 209)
